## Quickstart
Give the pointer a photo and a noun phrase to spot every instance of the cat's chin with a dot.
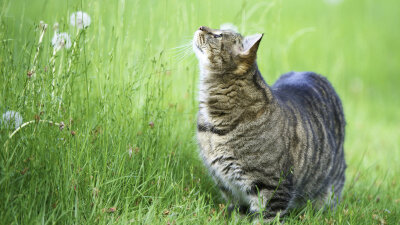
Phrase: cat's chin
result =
(199, 53)
(201, 56)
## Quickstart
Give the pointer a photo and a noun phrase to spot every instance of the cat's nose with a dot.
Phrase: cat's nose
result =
(202, 28)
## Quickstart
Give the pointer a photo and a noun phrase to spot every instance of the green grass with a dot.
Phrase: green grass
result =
(122, 75)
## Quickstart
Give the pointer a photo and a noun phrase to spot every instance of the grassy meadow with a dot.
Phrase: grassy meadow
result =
(109, 123)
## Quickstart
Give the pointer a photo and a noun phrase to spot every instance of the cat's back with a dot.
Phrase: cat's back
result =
(310, 91)
(302, 84)
(314, 97)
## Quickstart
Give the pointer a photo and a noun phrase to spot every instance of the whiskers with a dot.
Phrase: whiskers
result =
(181, 52)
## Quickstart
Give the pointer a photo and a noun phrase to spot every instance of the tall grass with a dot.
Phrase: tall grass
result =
(127, 98)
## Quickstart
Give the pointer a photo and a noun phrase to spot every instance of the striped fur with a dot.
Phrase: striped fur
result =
(268, 148)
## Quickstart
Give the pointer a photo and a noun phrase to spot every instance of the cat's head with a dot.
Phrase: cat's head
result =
(225, 50)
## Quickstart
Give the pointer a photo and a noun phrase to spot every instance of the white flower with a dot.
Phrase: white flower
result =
(61, 40)
(80, 19)
(11, 118)
(229, 26)
(333, 2)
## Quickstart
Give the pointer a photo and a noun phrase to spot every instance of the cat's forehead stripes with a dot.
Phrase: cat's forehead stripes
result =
(229, 33)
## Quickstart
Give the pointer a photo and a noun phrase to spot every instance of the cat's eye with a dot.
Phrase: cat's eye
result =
(217, 35)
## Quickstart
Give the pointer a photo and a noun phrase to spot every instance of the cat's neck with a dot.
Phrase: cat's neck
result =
(227, 98)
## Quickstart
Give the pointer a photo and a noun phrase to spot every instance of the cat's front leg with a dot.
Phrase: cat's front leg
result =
(233, 203)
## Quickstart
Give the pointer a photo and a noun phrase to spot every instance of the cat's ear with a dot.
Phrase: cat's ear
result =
(248, 55)
(250, 46)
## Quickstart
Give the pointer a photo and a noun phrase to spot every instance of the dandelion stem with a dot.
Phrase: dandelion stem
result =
(53, 71)
(43, 27)
(26, 124)
(69, 69)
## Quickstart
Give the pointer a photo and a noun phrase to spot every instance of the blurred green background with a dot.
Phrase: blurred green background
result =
(128, 98)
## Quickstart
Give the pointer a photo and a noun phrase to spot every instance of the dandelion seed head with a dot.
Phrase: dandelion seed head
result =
(61, 40)
(80, 19)
(11, 118)
(229, 26)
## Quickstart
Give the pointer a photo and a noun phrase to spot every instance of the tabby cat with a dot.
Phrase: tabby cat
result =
(268, 148)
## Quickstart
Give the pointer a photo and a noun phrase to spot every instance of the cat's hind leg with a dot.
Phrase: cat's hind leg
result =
(327, 200)
(238, 208)
(267, 203)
